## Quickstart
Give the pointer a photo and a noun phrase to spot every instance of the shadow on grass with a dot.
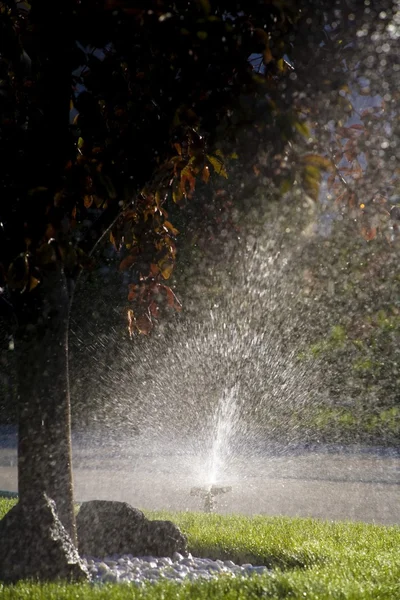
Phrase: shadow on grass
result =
(279, 560)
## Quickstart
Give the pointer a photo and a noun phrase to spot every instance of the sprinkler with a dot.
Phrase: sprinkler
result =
(209, 494)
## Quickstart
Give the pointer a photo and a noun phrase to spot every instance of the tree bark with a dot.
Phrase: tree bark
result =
(44, 444)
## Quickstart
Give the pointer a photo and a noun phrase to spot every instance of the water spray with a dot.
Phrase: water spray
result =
(209, 494)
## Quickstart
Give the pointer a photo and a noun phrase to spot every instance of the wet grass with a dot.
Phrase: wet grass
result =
(312, 559)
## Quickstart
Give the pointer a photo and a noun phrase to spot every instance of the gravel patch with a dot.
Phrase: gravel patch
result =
(138, 570)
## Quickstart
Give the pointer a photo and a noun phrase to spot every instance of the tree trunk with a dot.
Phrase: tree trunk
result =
(44, 445)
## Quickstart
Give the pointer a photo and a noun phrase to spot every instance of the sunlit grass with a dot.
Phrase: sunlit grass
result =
(317, 560)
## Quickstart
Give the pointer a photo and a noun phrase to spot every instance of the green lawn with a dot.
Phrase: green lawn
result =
(310, 559)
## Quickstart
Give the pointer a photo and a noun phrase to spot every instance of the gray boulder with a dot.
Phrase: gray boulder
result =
(35, 545)
(108, 527)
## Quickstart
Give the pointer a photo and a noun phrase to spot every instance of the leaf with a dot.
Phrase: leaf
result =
(127, 262)
(205, 174)
(286, 185)
(281, 65)
(218, 165)
(46, 255)
(350, 150)
(178, 148)
(311, 181)
(58, 198)
(356, 126)
(112, 240)
(154, 309)
(50, 232)
(177, 194)
(369, 233)
(98, 201)
(133, 291)
(154, 269)
(88, 200)
(267, 55)
(166, 267)
(37, 190)
(316, 160)
(302, 128)
(187, 177)
(144, 324)
(169, 227)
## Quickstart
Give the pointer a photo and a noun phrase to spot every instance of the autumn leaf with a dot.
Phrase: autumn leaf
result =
(369, 233)
(33, 283)
(187, 177)
(154, 309)
(316, 160)
(170, 228)
(356, 126)
(205, 175)
(178, 148)
(46, 255)
(166, 267)
(350, 150)
(267, 55)
(281, 65)
(286, 185)
(98, 201)
(58, 198)
(127, 262)
(154, 269)
(312, 180)
(50, 232)
(144, 324)
(218, 165)
(133, 291)
(113, 240)
(37, 190)
(177, 194)
(88, 200)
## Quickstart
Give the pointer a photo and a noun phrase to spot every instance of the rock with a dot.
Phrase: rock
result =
(35, 545)
(163, 538)
(108, 527)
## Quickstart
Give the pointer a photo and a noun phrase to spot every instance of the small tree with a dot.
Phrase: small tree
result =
(98, 102)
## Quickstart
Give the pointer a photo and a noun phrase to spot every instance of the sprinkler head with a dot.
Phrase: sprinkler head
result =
(208, 494)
